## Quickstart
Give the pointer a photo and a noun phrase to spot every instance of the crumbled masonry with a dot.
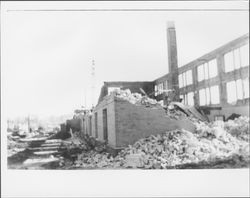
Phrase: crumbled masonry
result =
(179, 148)
(135, 98)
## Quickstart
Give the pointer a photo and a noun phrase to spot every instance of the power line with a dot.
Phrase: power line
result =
(93, 82)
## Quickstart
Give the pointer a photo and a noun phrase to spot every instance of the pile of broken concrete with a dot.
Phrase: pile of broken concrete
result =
(211, 145)
(180, 148)
(135, 98)
(238, 127)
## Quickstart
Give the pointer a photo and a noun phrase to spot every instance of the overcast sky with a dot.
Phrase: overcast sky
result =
(47, 56)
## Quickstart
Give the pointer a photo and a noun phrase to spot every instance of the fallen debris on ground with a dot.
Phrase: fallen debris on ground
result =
(211, 145)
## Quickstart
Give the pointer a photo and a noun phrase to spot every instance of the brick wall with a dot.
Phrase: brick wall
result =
(135, 122)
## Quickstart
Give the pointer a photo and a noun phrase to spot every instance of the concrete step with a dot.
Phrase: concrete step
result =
(29, 140)
(44, 148)
(39, 161)
(51, 144)
(54, 141)
(47, 153)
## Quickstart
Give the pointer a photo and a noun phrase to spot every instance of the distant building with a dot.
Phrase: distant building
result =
(217, 82)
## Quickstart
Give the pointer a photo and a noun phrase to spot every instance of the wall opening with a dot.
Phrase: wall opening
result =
(90, 125)
(96, 126)
(105, 124)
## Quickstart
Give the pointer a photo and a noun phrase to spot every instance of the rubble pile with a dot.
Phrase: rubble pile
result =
(181, 147)
(83, 142)
(238, 127)
(93, 159)
(14, 145)
(174, 113)
(173, 149)
(172, 110)
(80, 149)
(135, 98)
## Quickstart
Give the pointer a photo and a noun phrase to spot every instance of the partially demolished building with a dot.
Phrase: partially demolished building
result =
(217, 84)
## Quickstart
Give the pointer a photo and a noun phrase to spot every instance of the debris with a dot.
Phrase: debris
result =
(233, 116)
(211, 145)
(135, 98)
(134, 161)
(239, 128)
(181, 147)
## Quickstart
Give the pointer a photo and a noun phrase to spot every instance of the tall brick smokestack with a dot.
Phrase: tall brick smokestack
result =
(172, 59)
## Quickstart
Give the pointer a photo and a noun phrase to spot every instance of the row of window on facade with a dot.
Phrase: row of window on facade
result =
(207, 96)
(233, 60)
(236, 90)
(204, 71)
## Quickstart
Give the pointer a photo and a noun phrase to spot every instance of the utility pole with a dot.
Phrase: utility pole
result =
(93, 82)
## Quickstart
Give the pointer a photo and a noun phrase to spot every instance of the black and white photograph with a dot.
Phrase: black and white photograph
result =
(125, 86)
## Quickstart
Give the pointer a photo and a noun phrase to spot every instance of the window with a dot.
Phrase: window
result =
(156, 92)
(105, 124)
(237, 58)
(165, 85)
(190, 98)
(246, 87)
(180, 81)
(244, 52)
(207, 70)
(229, 62)
(160, 88)
(96, 125)
(237, 90)
(185, 79)
(111, 89)
(202, 96)
(185, 99)
(200, 73)
(189, 77)
(231, 92)
(215, 94)
(90, 125)
(209, 95)
(213, 71)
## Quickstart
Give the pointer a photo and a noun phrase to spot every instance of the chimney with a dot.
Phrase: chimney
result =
(172, 60)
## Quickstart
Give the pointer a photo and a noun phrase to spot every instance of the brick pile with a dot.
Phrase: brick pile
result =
(211, 143)
(135, 98)
(238, 127)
